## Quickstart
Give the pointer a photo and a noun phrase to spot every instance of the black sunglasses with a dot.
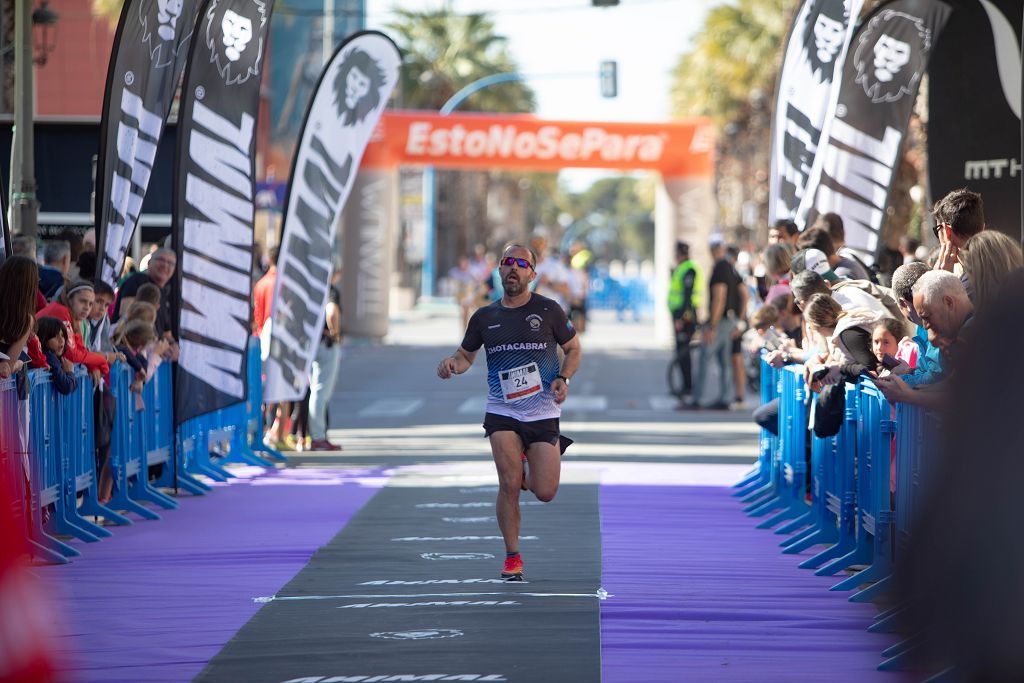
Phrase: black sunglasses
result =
(521, 262)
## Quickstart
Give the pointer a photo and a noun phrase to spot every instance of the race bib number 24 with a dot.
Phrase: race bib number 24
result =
(519, 383)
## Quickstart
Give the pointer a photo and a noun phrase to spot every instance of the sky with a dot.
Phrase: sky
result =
(559, 45)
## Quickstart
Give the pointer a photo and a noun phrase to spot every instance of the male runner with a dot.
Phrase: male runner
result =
(521, 333)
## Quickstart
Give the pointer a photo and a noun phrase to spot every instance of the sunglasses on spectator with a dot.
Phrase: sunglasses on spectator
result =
(938, 227)
(521, 262)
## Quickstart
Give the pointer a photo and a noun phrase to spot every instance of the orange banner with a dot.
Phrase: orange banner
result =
(676, 148)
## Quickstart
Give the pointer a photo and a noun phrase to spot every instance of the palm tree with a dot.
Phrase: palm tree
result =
(444, 52)
(726, 76)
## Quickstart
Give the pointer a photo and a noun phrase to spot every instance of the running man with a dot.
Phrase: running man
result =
(526, 387)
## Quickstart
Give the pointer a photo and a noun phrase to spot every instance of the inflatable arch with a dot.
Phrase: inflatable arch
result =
(681, 151)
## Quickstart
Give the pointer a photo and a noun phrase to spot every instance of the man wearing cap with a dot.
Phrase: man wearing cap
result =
(819, 238)
(684, 297)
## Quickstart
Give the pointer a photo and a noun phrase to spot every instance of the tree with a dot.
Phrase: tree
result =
(444, 52)
(727, 76)
(738, 52)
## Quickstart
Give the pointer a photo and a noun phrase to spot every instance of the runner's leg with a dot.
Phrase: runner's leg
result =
(507, 449)
(545, 470)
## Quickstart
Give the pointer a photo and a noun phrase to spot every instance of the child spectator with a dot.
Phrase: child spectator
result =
(53, 339)
(99, 320)
(132, 342)
(149, 293)
(72, 308)
(884, 342)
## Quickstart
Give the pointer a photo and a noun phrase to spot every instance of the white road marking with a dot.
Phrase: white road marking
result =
(600, 594)
(392, 407)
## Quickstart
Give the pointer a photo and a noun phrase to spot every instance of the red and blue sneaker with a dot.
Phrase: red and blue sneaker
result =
(513, 570)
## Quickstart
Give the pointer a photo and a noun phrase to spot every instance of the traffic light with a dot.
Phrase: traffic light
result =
(609, 78)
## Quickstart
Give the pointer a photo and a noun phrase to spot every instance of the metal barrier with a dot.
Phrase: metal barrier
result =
(851, 510)
(254, 405)
(761, 474)
(792, 488)
(48, 452)
(756, 491)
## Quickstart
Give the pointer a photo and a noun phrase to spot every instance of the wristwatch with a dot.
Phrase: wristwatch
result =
(563, 378)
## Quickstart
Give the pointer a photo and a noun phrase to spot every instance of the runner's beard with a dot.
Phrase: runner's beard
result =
(514, 286)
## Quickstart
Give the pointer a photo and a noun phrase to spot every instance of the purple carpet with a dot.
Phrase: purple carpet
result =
(159, 599)
(699, 594)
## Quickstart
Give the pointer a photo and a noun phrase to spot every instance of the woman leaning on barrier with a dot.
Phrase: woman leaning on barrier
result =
(19, 282)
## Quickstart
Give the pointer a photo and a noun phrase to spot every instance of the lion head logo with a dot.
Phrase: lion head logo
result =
(824, 35)
(234, 36)
(357, 86)
(889, 68)
(160, 21)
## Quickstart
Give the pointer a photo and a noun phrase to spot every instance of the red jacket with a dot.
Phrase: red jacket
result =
(263, 298)
(35, 352)
(76, 350)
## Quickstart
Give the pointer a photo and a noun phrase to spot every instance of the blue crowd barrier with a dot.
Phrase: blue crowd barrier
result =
(850, 511)
(608, 293)
(760, 475)
(48, 452)
(792, 488)
(254, 405)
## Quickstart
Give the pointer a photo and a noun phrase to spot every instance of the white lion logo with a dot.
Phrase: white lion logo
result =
(235, 38)
(160, 22)
(889, 68)
(237, 34)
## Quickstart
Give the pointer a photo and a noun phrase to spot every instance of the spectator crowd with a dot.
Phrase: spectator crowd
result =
(935, 333)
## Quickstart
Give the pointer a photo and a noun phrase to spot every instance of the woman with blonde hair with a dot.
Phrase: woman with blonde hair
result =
(777, 259)
(846, 336)
(988, 258)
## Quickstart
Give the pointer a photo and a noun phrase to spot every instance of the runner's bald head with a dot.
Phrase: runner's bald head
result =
(512, 246)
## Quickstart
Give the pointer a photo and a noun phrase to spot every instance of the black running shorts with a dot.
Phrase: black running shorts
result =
(545, 431)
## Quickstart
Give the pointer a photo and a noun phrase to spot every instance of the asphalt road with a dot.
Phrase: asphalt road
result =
(390, 408)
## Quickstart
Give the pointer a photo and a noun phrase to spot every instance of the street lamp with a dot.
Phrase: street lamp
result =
(429, 189)
(44, 20)
(24, 205)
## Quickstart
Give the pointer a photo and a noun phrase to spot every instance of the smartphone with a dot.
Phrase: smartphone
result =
(773, 339)
(889, 362)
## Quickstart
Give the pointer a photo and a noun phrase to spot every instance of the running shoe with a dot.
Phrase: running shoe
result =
(523, 485)
(513, 570)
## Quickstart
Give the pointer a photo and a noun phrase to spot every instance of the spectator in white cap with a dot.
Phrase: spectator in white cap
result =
(819, 238)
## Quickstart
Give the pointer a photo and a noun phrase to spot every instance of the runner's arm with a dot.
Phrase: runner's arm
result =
(455, 364)
(573, 354)
(570, 363)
